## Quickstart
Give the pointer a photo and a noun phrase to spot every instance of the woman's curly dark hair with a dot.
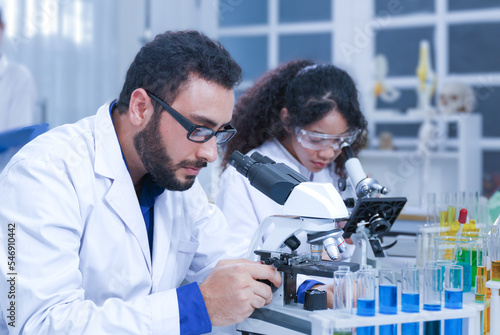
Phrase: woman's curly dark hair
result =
(308, 91)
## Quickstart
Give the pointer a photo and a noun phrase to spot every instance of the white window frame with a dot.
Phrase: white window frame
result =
(354, 23)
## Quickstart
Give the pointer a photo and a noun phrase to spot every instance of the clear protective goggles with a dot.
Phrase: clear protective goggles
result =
(318, 141)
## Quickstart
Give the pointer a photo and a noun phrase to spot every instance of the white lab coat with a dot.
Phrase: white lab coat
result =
(18, 96)
(245, 207)
(82, 255)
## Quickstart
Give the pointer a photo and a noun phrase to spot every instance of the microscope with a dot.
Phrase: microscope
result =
(310, 207)
(315, 209)
(372, 215)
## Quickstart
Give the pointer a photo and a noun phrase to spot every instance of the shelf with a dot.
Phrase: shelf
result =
(447, 162)
(415, 117)
(383, 154)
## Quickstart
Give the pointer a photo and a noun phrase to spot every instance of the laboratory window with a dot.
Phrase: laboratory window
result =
(250, 52)
(242, 12)
(403, 7)
(401, 47)
(291, 11)
(406, 100)
(454, 5)
(488, 102)
(406, 130)
(464, 42)
(317, 47)
(491, 170)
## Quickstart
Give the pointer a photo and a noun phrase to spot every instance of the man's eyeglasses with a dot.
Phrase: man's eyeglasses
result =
(198, 134)
(318, 141)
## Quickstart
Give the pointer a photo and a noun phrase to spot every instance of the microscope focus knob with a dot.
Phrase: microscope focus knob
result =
(314, 299)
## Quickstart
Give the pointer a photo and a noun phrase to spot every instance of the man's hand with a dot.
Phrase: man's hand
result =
(231, 291)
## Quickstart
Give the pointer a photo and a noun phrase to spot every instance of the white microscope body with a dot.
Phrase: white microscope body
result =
(312, 208)
(316, 209)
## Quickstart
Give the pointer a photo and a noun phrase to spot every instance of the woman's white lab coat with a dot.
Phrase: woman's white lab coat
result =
(81, 248)
(245, 207)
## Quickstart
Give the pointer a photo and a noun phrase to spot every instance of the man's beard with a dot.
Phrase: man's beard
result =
(157, 162)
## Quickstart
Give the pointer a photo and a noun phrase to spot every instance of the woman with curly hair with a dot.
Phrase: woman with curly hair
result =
(297, 114)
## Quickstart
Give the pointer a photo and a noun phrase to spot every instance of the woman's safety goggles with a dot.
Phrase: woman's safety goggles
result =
(317, 141)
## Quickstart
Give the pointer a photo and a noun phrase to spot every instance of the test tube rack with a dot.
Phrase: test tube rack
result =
(292, 319)
(325, 321)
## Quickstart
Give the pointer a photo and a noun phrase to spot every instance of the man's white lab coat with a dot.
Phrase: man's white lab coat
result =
(82, 255)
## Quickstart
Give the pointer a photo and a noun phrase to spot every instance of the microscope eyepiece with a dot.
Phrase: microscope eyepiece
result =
(241, 163)
(276, 180)
(261, 158)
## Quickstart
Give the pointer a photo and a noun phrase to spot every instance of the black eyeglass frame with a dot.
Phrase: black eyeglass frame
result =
(191, 127)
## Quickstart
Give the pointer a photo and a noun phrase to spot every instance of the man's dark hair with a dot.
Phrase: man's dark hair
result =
(163, 65)
(1, 21)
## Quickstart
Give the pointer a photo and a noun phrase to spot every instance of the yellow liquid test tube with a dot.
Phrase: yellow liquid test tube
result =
(495, 270)
(451, 215)
(488, 290)
(487, 316)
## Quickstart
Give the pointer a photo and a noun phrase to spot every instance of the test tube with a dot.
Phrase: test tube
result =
(343, 294)
(495, 253)
(481, 253)
(481, 292)
(463, 203)
(433, 286)
(444, 253)
(443, 209)
(366, 297)
(432, 217)
(387, 298)
(473, 209)
(343, 291)
(480, 297)
(480, 289)
(410, 297)
(453, 297)
(465, 259)
(452, 212)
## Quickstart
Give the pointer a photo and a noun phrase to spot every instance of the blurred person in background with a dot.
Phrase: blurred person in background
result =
(18, 92)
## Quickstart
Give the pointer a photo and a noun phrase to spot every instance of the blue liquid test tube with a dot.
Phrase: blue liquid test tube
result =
(387, 299)
(410, 298)
(433, 286)
(366, 297)
(453, 297)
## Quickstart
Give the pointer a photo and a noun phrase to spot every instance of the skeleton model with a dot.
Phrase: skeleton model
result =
(426, 78)
(382, 90)
(425, 91)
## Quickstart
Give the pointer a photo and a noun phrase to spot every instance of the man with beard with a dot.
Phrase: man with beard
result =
(104, 218)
